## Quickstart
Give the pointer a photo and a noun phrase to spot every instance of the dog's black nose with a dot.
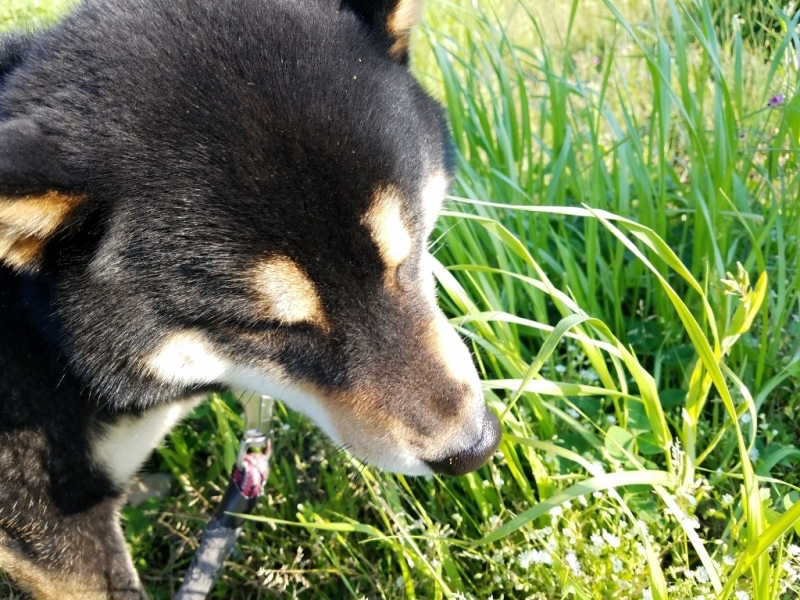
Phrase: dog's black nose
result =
(473, 457)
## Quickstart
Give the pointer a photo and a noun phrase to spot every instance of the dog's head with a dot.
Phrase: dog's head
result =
(240, 194)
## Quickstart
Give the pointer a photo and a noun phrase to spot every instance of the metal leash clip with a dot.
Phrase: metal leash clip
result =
(257, 421)
(251, 469)
(241, 496)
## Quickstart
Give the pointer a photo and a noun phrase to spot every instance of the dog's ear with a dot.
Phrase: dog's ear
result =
(36, 194)
(391, 19)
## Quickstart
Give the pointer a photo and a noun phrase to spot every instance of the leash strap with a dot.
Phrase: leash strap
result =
(245, 487)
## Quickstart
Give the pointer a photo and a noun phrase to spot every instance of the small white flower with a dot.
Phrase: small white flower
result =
(457, 518)
(556, 511)
(498, 481)
(745, 418)
(611, 539)
(728, 560)
(561, 369)
(597, 544)
(726, 500)
(742, 595)
(702, 575)
(611, 419)
(589, 375)
(495, 521)
(573, 413)
(583, 501)
(616, 564)
(690, 523)
(647, 595)
(793, 549)
(573, 563)
(537, 557)
(753, 454)
(286, 427)
(398, 583)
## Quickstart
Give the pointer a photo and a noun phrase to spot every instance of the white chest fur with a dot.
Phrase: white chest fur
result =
(120, 448)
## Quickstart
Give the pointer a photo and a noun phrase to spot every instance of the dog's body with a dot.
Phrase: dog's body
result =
(197, 194)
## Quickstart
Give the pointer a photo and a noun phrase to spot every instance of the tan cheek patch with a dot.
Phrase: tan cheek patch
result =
(372, 433)
(405, 15)
(385, 225)
(27, 223)
(186, 357)
(287, 294)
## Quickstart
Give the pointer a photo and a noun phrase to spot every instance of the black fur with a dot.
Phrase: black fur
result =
(199, 136)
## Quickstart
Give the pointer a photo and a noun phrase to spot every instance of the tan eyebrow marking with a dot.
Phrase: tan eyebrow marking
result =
(287, 294)
(386, 227)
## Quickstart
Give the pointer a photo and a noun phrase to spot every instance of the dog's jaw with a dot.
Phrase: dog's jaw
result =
(187, 359)
(382, 453)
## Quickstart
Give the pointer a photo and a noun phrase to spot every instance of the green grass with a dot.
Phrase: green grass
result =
(620, 250)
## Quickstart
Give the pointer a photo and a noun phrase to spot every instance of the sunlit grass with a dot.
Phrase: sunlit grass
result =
(31, 14)
(620, 251)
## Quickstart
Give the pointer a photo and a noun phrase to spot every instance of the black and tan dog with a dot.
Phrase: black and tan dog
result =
(197, 194)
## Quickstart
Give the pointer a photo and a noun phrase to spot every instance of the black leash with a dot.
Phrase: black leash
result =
(245, 487)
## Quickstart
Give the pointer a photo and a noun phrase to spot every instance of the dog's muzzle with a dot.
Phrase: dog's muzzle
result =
(473, 457)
